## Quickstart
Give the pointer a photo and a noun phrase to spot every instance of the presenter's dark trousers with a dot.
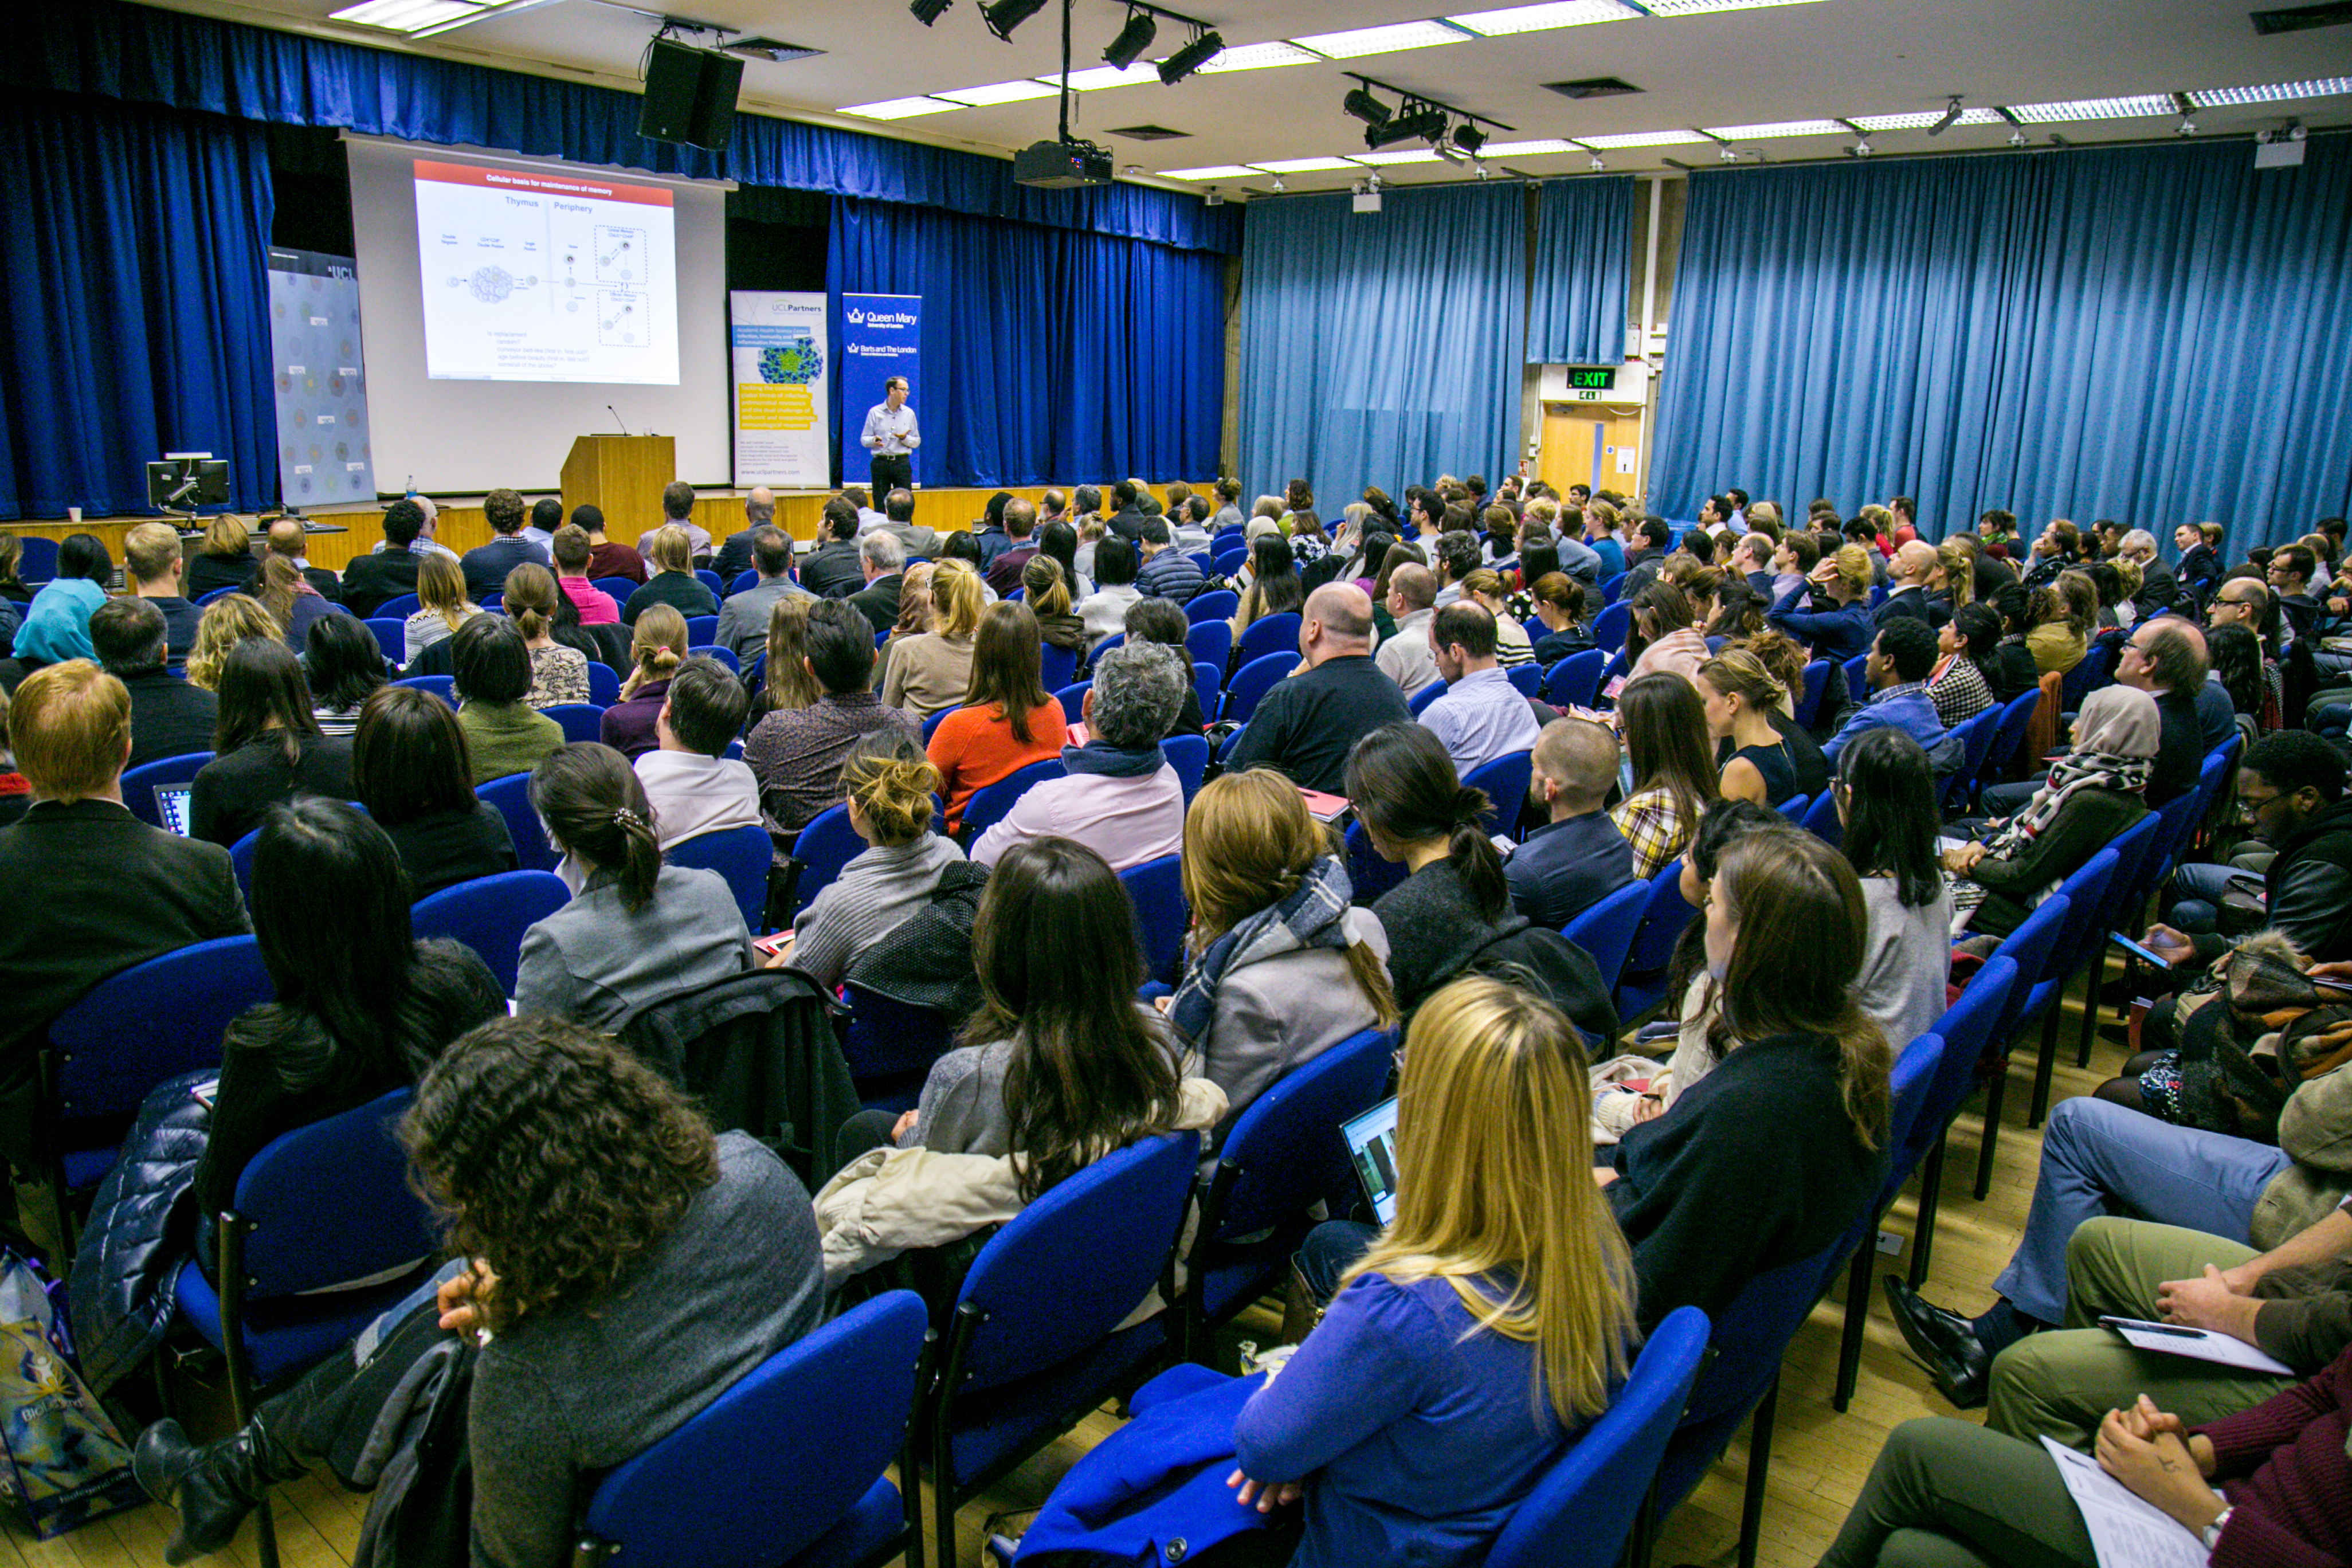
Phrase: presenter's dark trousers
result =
(891, 473)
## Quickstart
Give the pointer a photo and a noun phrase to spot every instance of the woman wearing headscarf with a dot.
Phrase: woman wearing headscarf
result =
(2093, 793)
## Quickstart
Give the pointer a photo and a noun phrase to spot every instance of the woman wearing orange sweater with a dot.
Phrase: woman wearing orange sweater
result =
(1008, 720)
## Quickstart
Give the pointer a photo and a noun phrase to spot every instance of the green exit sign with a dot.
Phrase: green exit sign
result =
(1600, 379)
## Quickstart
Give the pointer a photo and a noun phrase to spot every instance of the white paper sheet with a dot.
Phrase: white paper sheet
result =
(2126, 1531)
(2202, 1344)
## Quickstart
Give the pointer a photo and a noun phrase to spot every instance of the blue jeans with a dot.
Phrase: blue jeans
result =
(1329, 1251)
(2193, 899)
(2100, 1158)
(2007, 799)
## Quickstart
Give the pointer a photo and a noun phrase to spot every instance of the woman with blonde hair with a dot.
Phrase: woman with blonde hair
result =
(670, 552)
(224, 560)
(1498, 1304)
(931, 671)
(1953, 581)
(1838, 627)
(442, 603)
(887, 783)
(785, 683)
(1047, 594)
(657, 648)
(1278, 967)
(1007, 719)
(226, 622)
(1740, 696)
(290, 600)
(557, 674)
(1485, 587)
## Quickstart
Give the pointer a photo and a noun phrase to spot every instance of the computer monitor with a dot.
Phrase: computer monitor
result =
(1371, 1149)
(182, 484)
(171, 808)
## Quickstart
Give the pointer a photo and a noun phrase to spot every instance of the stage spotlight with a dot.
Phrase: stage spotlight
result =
(1419, 125)
(1365, 107)
(1003, 16)
(1951, 117)
(1132, 40)
(1204, 48)
(929, 11)
(1468, 138)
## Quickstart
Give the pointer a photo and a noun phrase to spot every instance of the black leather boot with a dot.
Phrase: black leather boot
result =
(212, 1487)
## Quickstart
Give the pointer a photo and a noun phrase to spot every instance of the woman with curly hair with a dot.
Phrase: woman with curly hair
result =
(226, 622)
(629, 1265)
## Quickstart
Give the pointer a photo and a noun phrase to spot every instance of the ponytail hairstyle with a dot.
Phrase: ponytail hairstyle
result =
(593, 807)
(1736, 672)
(1042, 587)
(891, 780)
(531, 599)
(280, 580)
(657, 647)
(1782, 659)
(956, 599)
(1406, 793)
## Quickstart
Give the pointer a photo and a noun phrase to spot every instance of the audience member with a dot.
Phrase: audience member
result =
(1484, 588)
(882, 563)
(571, 552)
(694, 786)
(290, 600)
(1104, 610)
(343, 667)
(607, 558)
(1897, 671)
(1886, 804)
(387, 574)
(898, 524)
(268, 747)
(887, 783)
(1664, 728)
(226, 622)
(2198, 571)
(832, 570)
(1167, 573)
(1959, 684)
(546, 518)
(796, 753)
(1405, 656)
(1269, 582)
(2013, 672)
(777, 676)
(2166, 659)
(743, 617)
(1837, 627)
(1662, 636)
(443, 605)
(411, 769)
(1454, 902)
(492, 675)
(673, 583)
(735, 553)
(1559, 602)
(2291, 794)
(1121, 798)
(1047, 594)
(929, 672)
(677, 513)
(224, 560)
(1161, 622)
(559, 674)
(1578, 857)
(486, 565)
(2061, 618)
(169, 717)
(1482, 715)
(1907, 579)
(1008, 720)
(1060, 541)
(1793, 560)
(657, 648)
(55, 625)
(1742, 699)
(1006, 568)
(1307, 724)
(153, 563)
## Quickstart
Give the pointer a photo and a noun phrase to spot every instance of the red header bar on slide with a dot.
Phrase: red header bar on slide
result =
(548, 184)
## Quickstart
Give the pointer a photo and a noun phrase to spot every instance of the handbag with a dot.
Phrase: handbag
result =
(66, 1463)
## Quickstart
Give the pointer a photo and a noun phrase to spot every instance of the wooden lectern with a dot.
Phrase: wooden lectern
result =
(623, 477)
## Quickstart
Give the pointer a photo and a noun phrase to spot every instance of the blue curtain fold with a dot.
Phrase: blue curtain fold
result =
(134, 241)
(1576, 294)
(1048, 354)
(140, 55)
(1381, 348)
(2153, 333)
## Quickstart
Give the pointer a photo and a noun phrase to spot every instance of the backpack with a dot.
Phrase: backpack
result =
(1539, 960)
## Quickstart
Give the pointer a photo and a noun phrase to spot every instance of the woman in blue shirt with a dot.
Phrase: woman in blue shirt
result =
(1497, 1305)
(57, 623)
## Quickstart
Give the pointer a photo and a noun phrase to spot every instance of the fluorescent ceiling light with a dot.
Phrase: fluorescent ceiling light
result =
(2146, 104)
(2276, 92)
(1641, 139)
(1695, 7)
(1304, 165)
(1257, 57)
(1356, 42)
(1539, 18)
(1108, 75)
(1384, 159)
(1526, 149)
(1219, 171)
(1920, 119)
(998, 92)
(409, 15)
(1777, 128)
(898, 108)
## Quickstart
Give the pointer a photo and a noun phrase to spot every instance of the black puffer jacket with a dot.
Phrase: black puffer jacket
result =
(143, 1227)
(927, 962)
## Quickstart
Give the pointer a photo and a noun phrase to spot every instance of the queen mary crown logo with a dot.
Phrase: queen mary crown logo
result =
(857, 317)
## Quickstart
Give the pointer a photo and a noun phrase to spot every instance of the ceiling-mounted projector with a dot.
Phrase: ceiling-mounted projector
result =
(1060, 165)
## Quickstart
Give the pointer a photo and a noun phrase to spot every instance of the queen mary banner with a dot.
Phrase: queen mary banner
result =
(880, 333)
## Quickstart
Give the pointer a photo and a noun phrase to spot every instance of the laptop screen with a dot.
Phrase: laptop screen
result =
(171, 808)
(1371, 1148)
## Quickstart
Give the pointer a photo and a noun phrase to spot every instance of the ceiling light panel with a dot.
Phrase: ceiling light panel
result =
(1698, 7)
(1542, 18)
(2276, 92)
(1259, 56)
(1303, 165)
(1777, 128)
(1218, 172)
(1358, 42)
(998, 92)
(407, 16)
(1387, 160)
(1919, 120)
(1526, 149)
(2146, 104)
(1641, 139)
(898, 108)
(1106, 76)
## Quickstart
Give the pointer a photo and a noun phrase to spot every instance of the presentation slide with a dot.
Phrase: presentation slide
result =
(545, 277)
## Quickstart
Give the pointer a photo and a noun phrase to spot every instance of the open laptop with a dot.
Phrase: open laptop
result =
(171, 808)
(1371, 1149)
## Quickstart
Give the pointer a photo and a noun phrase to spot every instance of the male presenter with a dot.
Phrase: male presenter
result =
(890, 435)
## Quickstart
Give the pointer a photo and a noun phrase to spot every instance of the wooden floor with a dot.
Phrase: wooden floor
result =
(1819, 1458)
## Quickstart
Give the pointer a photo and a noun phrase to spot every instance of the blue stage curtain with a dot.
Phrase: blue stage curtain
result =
(2154, 334)
(1576, 298)
(133, 241)
(131, 52)
(1048, 355)
(1381, 348)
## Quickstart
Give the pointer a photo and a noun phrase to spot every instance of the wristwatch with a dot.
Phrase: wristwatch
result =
(2212, 1533)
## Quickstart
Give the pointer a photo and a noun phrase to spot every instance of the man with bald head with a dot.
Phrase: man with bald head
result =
(1308, 723)
(288, 539)
(2166, 659)
(734, 556)
(1906, 585)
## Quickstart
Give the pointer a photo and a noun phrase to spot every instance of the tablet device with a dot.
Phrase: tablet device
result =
(171, 808)
(1371, 1149)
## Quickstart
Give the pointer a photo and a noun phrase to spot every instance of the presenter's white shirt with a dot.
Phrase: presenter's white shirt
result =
(890, 435)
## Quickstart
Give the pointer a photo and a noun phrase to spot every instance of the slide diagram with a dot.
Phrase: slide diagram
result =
(545, 277)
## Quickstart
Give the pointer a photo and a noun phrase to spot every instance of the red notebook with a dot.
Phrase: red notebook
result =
(1323, 808)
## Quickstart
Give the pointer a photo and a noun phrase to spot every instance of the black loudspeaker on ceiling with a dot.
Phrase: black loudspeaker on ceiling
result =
(690, 95)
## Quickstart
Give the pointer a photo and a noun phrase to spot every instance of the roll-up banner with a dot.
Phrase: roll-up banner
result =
(777, 347)
(880, 333)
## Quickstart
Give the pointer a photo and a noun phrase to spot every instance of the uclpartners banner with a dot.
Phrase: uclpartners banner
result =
(776, 345)
(879, 334)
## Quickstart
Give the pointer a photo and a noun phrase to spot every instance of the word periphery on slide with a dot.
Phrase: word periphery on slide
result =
(545, 277)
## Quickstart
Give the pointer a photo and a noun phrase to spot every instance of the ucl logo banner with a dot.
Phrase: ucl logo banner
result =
(879, 339)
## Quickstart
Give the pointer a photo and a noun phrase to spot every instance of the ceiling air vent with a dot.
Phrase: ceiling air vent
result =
(770, 49)
(2300, 18)
(1149, 132)
(1593, 86)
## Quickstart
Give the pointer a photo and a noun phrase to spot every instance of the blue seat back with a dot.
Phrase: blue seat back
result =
(1663, 918)
(495, 601)
(2032, 948)
(1581, 1512)
(1073, 699)
(1252, 681)
(2096, 669)
(38, 561)
(1856, 681)
(138, 783)
(1188, 756)
(2136, 857)
(1217, 604)
(1228, 562)
(1504, 779)
(1908, 1084)
(888, 1037)
(1156, 888)
(1116, 639)
(2086, 893)
(1528, 678)
(580, 721)
(741, 856)
(511, 796)
(1605, 930)
(988, 802)
(1609, 625)
(489, 915)
(1795, 806)
(142, 1025)
(1418, 703)
(331, 1203)
(1210, 642)
(1575, 680)
(399, 607)
(1370, 874)
(616, 589)
(749, 1481)
(701, 629)
(708, 579)
(445, 686)
(1612, 586)
(2010, 734)
(1206, 679)
(391, 634)
(1821, 819)
(1987, 724)
(1269, 635)
(240, 860)
(825, 844)
(1286, 1151)
(1063, 1272)
(719, 651)
(604, 683)
(1966, 1028)
(1809, 704)
(747, 578)
(932, 724)
(1057, 665)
